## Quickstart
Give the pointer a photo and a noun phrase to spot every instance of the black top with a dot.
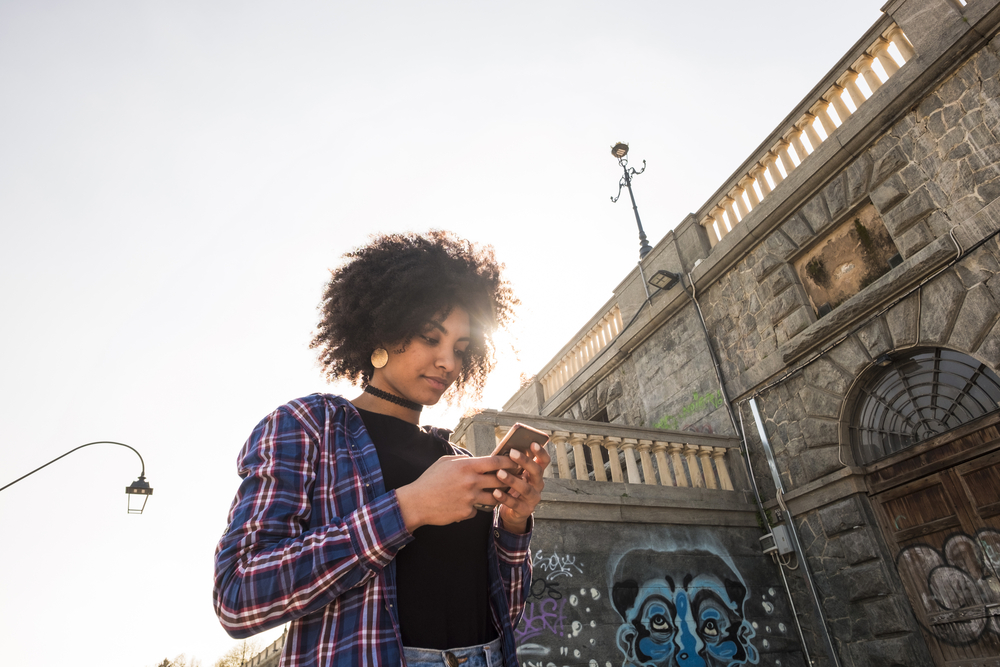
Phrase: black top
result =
(442, 579)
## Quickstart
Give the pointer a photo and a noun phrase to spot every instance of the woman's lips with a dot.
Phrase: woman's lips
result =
(438, 383)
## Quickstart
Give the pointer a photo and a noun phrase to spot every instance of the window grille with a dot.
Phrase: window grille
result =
(921, 393)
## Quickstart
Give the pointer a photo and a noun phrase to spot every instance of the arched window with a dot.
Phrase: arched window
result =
(916, 395)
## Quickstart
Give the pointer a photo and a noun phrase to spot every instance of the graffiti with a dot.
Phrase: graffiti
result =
(543, 588)
(962, 574)
(698, 403)
(555, 565)
(541, 617)
(681, 617)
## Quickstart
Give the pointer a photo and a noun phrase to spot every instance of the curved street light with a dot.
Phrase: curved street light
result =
(138, 491)
(619, 151)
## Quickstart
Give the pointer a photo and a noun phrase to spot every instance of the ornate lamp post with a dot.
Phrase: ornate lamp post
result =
(138, 492)
(620, 150)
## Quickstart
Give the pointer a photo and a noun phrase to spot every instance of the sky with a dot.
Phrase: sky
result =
(177, 179)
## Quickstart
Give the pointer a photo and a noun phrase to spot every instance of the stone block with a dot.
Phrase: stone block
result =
(850, 356)
(910, 211)
(868, 580)
(815, 214)
(928, 107)
(858, 175)
(951, 89)
(890, 652)
(781, 305)
(818, 462)
(875, 337)
(913, 176)
(978, 315)
(987, 64)
(793, 323)
(952, 115)
(841, 516)
(950, 140)
(823, 373)
(817, 432)
(892, 162)
(913, 240)
(902, 322)
(889, 193)
(859, 545)
(940, 301)
(989, 350)
(797, 230)
(888, 615)
(820, 403)
(938, 224)
(989, 191)
(782, 278)
(935, 124)
(835, 194)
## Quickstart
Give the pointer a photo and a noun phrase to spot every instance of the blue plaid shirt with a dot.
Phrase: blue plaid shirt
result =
(312, 536)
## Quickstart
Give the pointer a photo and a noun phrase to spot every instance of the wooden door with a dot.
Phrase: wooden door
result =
(944, 530)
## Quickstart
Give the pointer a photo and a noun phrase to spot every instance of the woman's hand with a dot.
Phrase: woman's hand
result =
(449, 490)
(525, 491)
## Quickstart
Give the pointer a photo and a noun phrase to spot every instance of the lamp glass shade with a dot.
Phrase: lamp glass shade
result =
(619, 150)
(664, 279)
(138, 493)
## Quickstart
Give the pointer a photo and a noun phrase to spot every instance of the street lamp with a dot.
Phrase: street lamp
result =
(138, 492)
(620, 150)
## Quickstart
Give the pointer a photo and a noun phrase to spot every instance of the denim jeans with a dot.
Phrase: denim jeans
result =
(484, 655)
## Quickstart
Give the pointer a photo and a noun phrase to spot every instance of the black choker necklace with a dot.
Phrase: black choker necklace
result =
(386, 396)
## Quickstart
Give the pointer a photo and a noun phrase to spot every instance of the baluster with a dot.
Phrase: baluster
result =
(836, 98)
(757, 173)
(691, 451)
(795, 137)
(881, 51)
(628, 448)
(704, 454)
(660, 452)
(864, 66)
(579, 458)
(786, 159)
(559, 439)
(820, 111)
(675, 457)
(902, 43)
(611, 443)
(719, 454)
(727, 204)
(850, 83)
(806, 125)
(747, 184)
(648, 474)
(771, 164)
(736, 194)
(720, 221)
(594, 443)
(708, 222)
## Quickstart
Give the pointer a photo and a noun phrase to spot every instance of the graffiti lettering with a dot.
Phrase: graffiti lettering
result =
(555, 565)
(541, 617)
(960, 575)
(543, 588)
(698, 403)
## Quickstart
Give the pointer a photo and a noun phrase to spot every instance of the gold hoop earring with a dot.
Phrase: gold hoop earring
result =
(380, 357)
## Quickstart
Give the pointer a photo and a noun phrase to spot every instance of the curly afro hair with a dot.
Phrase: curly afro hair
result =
(387, 291)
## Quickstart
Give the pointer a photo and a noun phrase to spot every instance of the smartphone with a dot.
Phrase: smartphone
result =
(518, 437)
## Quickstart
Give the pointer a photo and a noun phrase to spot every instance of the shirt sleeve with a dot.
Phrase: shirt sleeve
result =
(271, 568)
(515, 565)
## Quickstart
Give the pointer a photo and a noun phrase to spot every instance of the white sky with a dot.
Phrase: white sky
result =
(177, 178)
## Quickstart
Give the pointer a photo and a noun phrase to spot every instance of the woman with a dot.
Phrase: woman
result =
(355, 524)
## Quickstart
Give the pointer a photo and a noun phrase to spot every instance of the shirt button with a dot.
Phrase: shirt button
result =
(496, 533)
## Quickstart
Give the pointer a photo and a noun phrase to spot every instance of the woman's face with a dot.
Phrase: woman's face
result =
(429, 363)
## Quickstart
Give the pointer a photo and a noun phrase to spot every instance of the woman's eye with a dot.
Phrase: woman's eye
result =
(429, 340)
(460, 354)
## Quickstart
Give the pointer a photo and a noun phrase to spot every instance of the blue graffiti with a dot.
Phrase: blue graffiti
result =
(673, 617)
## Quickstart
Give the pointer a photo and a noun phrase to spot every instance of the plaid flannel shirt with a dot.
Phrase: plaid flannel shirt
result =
(311, 539)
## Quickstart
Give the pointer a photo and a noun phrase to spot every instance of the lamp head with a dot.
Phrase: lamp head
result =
(619, 150)
(664, 280)
(138, 493)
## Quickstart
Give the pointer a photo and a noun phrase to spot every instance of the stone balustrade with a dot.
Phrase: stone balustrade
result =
(665, 458)
(586, 348)
(804, 136)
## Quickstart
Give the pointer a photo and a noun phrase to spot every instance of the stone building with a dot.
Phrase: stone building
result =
(777, 442)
